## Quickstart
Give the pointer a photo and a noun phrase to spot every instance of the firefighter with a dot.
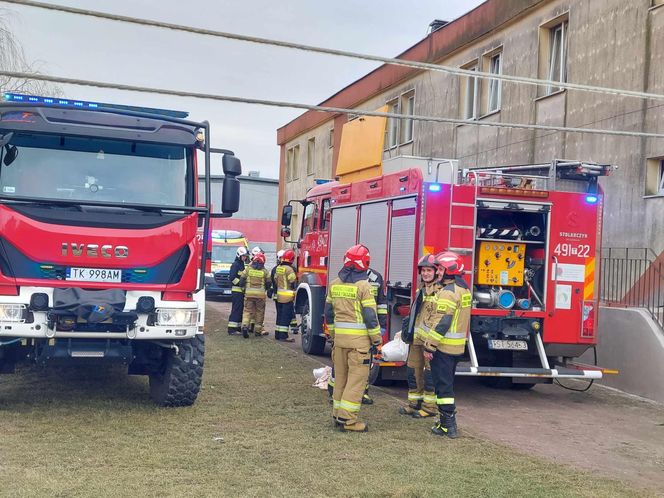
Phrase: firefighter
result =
(423, 317)
(446, 343)
(256, 250)
(237, 292)
(255, 280)
(271, 294)
(352, 320)
(378, 290)
(285, 283)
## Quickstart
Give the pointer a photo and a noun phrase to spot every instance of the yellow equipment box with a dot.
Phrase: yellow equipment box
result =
(500, 262)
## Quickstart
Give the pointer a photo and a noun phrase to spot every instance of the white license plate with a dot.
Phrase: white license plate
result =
(226, 291)
(94, 275)
(511, 345)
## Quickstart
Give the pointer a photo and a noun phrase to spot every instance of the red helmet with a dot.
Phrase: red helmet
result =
(288, 256)
(259, 258)
(428, 261)
(450, 262)
(357, 257)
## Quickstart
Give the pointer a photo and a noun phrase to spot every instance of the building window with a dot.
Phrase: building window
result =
(407, 107)
(295, 171)
(655, 176)
(330, 138)
(495, 87)
(392, 131)
(311, 155)
(553, 53)
(469, 87)
(289, 164)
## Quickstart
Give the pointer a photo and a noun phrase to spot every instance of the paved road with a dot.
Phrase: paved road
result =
(601, 430)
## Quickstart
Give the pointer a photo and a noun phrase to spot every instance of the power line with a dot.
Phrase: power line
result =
(341, 53)
(334, 110)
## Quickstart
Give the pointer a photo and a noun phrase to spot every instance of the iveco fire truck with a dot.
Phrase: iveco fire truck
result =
(530, 238)
(101, 257)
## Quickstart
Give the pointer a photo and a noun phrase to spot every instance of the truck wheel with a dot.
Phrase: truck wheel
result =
(179, 379)
(311, 344)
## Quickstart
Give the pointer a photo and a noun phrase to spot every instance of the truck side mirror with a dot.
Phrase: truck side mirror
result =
(286, 215)
(231, 165)
(230, 200)
(285, 232)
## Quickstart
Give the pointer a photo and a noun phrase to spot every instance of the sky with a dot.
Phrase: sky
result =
(81, 47)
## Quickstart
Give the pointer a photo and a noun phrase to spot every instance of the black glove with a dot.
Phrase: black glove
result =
(406, 333)
(269, 293)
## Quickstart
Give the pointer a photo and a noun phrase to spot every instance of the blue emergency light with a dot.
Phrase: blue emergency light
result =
(434, 187)
(83, 104)
(592, 199)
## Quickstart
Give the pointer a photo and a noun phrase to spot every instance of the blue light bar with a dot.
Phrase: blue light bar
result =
(592, 199)
(322, 181)
(434, 187)
(83, 104)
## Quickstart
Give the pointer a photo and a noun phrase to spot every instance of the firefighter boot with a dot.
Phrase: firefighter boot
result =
(409, 409)
(245, 332)
(366, 399)
(355, 427)
(421, 413)
(447, 426)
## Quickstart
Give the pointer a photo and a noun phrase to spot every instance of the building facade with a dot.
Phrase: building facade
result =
(609, 43)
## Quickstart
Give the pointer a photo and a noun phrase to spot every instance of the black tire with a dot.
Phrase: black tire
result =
(311, 344)
(374, 375)
(178, 381)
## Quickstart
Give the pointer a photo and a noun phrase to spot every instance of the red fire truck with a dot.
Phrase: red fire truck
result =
(530, 236)
(100, 246)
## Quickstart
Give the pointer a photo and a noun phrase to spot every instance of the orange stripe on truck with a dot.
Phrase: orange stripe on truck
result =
(589, 281)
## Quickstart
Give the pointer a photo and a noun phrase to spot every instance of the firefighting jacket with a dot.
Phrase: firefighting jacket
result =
(423, 310)
(450, 333)
(234, 276)
(350, 311)
(255, 280)
(285, 281)
(378, 290)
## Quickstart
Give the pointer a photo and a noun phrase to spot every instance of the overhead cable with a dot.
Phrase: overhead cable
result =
(334, 110)
(425, 66)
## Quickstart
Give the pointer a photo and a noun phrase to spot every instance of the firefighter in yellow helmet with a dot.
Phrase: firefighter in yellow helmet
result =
(447, 341)
(352, 320)
(423, 317)
(255, 280)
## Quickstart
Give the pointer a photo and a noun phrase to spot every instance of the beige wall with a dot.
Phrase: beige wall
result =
(614, 43)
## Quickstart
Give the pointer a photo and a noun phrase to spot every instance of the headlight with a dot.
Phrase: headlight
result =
(209, 275)
(177, 317)
(12, 312)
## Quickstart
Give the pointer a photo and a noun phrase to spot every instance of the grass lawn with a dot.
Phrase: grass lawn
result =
(257, 429)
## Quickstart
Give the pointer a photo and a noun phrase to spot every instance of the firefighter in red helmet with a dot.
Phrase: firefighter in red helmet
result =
(285, 282)
(352, 320)
(424, 316)
(447, 341)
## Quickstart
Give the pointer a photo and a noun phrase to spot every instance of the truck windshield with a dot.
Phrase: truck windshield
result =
(224, 254)
(92, 169)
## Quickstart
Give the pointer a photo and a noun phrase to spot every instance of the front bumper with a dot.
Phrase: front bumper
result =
(213, 288)
(39, 327)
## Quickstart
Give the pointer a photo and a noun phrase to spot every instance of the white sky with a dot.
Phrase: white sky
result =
(93, 49)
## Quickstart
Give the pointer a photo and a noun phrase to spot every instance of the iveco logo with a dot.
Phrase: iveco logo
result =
(94, 250)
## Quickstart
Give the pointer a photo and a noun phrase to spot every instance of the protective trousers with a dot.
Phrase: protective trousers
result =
(351, 369)
(284, 316)
(443, 367)
(331, 382)
(293, 322)
(421, 393)
(237, 306)
(254, 312)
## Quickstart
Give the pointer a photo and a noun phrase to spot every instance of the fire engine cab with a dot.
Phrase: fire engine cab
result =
(530, 237)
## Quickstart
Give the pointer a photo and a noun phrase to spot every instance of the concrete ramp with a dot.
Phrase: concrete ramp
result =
(633, 343)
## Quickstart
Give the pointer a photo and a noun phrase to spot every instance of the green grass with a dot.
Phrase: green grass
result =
(94, 432)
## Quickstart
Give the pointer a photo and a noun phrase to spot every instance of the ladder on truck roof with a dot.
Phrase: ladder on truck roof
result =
(546, 176)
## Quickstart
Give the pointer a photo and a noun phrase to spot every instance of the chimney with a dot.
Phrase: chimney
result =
(436, 24)
(254, 174)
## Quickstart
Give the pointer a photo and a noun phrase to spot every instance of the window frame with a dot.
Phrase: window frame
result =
(495, 86)
(314, 218)
(294, 169)
(311, 156)
(468, 83)
(408, 98)
(552, 64)
(654, 177)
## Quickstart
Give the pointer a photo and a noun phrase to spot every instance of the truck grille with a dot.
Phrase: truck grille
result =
(222, 278)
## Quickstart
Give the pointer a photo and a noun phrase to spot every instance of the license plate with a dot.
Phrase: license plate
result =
(94, 275)
(511, 345)
(226, 291)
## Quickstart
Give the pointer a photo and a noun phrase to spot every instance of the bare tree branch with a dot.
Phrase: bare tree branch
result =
(12, 58)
